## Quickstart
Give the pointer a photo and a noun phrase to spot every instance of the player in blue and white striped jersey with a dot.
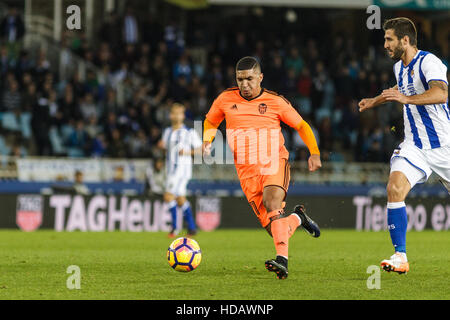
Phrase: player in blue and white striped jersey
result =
(422, 88)
(180, 143)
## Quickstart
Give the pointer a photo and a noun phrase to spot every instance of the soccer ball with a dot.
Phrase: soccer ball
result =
(184, 254)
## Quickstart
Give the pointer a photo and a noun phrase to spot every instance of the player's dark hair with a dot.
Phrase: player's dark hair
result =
(402, 27)
(248, 63)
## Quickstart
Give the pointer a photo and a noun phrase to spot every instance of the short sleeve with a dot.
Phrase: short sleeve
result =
(433, 69)
(196, 142)
(216, 114)
(288, 114)
(165, 136)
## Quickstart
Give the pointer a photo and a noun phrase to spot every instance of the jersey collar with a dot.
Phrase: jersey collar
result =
(413, 61)
(262, 91)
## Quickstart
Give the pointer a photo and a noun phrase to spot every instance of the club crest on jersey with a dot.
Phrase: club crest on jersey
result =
(262, 108)
(412, 72)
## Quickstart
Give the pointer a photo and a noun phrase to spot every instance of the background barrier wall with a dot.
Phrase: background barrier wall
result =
(65, 212)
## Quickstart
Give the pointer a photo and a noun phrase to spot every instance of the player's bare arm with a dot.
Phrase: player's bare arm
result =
(369, 103)
(436, 94)
(197, 151)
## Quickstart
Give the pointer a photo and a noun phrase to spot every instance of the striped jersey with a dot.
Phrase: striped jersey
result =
(427, 126)
(174, 141)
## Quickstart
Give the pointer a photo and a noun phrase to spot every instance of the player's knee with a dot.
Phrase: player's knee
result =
(272, 204)
(396, 192)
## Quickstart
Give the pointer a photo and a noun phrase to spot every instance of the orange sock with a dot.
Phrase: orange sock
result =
(280, 233)
(294, 222)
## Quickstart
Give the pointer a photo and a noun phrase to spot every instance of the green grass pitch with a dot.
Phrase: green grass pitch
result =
(133, 266)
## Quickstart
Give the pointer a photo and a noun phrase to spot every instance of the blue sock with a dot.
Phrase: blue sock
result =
(173, 212)
(188, 216)
(397, 224)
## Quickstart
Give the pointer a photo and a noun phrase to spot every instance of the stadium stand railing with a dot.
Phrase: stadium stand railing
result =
(106, 170)
(43, 169)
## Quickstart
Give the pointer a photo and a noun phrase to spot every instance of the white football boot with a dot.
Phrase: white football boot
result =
(397, 263)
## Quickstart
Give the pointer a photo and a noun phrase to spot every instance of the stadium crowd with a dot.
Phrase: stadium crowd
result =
(323, 77)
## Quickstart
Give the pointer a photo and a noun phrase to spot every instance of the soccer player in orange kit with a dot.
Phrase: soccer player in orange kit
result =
(253, 115)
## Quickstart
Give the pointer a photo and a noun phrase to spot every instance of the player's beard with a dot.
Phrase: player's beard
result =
(398, 52)
(247, 93)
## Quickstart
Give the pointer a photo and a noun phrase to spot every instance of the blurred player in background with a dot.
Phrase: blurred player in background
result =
(422, 88)
(253, 117)
(180, 143)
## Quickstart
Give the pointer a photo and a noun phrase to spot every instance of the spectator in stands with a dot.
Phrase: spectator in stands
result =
(30, 99)
(375, 152)
(326, 134)
(56, 114)
(40, 124)
(12, 30)
(69, 105)
(78, 140)
(119, 174)
(140, 145)
(88, 107)
(319, 79)
(79, 187)
(4, 60)
(275, 73)
(130, 27)
(24, 64)
(174, 40)
(99, 146)
(290, 85)
(156, 178)
(294, 61)
(12, 98)
(42, 65)
(239, 49)
(182, 68)
(117, 147)
(304, 87)
(93, 128)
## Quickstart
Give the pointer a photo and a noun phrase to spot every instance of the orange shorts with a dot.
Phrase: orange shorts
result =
(253, 188)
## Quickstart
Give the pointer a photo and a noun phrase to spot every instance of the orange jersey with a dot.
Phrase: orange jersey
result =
(253, 129)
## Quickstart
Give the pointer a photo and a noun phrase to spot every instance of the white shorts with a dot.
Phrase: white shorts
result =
(418, 164)
(177, 185)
